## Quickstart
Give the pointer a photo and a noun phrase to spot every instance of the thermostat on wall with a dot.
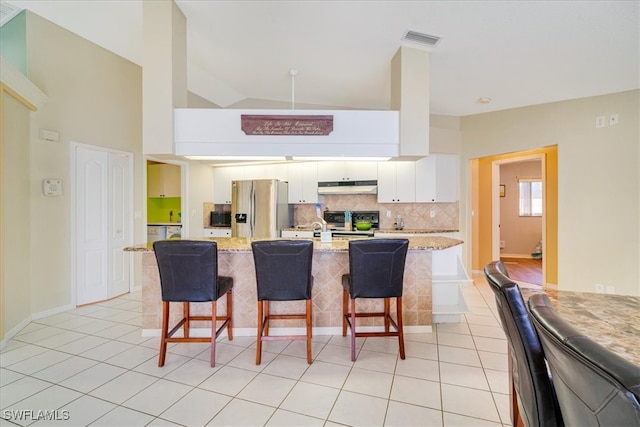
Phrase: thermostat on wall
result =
(52, 187)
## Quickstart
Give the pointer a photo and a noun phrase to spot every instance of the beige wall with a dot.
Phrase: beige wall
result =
(15, 289)
(598, 181)
(98, 101)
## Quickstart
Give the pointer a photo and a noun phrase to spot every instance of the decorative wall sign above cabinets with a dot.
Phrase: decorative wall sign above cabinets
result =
(287, 124)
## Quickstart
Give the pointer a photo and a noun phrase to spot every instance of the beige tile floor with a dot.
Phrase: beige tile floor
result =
(93, 367)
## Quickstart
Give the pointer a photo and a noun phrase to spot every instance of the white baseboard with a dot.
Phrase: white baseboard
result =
(52, 312)
(13, 332)
(525, 256)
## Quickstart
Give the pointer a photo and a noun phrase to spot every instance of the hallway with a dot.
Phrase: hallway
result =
(524, 269)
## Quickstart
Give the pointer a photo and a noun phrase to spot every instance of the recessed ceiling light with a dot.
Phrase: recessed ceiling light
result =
(484, 100)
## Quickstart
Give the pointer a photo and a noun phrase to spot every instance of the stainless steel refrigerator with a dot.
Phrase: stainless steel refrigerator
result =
(259, 208)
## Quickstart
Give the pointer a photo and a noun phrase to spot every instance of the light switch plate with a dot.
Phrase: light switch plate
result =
(52, 187)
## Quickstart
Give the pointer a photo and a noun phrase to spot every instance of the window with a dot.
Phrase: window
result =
(530, 197)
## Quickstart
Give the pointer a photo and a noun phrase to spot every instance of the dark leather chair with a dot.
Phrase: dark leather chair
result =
(189, 273)
(595, 386)
(283, 273)
(376, 270)
(533, 394)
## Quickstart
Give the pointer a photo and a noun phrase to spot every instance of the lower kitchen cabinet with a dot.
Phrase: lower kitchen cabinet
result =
(448, 277)
(296, 233)
(216, 232)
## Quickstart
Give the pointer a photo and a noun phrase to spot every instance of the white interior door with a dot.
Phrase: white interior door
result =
(119, 229)
(103, 223)
(92, 213)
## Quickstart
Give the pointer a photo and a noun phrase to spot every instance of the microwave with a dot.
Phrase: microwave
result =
(220, 219)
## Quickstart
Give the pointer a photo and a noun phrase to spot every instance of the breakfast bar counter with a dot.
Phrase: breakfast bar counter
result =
(330, 262)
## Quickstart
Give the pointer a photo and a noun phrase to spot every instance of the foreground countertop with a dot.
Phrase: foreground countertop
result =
(612, 321)
(243, 244)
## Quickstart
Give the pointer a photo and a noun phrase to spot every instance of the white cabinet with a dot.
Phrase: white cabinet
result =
(436, 178)
(347, 171)
(296, 233)
(303, 182)
(448, 277)
(277, 171)
(396, 182)
(163, 180)
(216, 232)
(222, 178)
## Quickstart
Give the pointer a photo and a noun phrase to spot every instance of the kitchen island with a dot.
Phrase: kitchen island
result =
(330, 262)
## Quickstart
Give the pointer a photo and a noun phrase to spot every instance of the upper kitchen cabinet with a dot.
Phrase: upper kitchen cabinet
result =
(273, 171)
(222, 177)
(437, 178)
(396, 182)
(303, 182)
(163, 180)
(347, 171)
(277, 171)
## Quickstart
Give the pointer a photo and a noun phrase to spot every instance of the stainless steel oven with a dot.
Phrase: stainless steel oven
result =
(335, 223)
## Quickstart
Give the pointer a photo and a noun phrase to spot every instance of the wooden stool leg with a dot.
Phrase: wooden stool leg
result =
(230, 315)
(259, 341)
(387, 312)
(353, 330)
(400, 327)
(214, 309)
(345, 311)
(165, 331)
(187, 317)
(266, 318)
(309, 331)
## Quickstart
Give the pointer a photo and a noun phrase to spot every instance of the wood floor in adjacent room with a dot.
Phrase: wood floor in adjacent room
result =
(524, 269)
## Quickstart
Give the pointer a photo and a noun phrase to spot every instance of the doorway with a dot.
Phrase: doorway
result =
(518, 217)
(484, 222)
(102, 222)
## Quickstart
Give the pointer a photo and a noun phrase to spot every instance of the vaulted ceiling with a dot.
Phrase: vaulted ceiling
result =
(517, 53)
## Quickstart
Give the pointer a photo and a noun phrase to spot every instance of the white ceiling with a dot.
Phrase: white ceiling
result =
(517, 53)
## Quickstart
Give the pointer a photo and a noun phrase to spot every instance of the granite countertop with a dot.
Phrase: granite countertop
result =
(415, 231)
(385, 230)
(242, 244)
(612, 321)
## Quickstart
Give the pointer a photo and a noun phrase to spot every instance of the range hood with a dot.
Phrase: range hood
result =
(348, 187)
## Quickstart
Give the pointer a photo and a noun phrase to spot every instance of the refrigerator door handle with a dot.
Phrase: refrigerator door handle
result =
(252, 222)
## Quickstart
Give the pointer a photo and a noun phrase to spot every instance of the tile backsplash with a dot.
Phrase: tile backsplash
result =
(415, 215)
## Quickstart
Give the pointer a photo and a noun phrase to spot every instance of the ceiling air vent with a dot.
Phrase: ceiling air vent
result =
(421, 38)
(8, 11)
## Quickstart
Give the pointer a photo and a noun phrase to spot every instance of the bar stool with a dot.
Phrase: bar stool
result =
(533, 395)
(283, 273)
(376, 270)
(189, 273)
